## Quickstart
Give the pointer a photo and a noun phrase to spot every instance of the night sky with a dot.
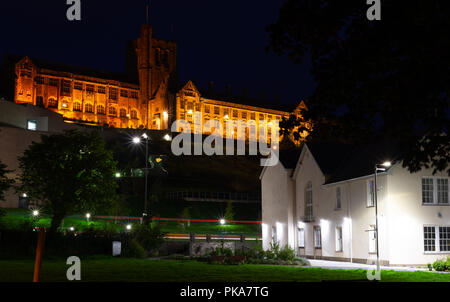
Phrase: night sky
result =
(219, 41)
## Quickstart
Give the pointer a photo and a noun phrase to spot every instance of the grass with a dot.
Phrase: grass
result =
(15, 217)
(108, 269)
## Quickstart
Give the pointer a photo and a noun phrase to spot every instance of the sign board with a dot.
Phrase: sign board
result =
(116, 248)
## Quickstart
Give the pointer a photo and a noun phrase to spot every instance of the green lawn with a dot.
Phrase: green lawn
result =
(15, 217)
(138, 270)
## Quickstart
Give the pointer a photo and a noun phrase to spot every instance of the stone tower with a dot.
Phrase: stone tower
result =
(157, 66)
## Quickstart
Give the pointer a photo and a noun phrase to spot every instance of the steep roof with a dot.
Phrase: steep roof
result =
(361, 160)
(239, 99)
(79, 70)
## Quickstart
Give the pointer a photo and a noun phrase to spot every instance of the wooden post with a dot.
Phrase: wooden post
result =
(39, 252)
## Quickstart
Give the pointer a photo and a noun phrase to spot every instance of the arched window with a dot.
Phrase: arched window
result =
(308, 202)
(112, 111)
(123, 113)
(52, 103)
(89, 108)
(76, 106)
(134, 114)
(100, 110)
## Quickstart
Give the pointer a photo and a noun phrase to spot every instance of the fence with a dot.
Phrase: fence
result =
(244, 197)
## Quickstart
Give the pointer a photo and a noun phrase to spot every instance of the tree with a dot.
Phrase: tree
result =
(5, 182)
(376, 80)
(229, 212)
(69, 173)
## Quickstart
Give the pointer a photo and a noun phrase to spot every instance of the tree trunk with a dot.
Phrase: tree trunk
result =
(56, 221)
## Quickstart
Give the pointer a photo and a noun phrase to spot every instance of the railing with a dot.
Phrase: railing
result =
(215, 196)
(308, 218)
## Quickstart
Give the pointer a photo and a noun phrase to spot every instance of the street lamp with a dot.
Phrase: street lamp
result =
(88, 215)
(378, 167)
(137, 140)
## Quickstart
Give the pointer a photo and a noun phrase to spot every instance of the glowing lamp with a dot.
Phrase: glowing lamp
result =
(386, 164)
(222, 221)
(136, 140)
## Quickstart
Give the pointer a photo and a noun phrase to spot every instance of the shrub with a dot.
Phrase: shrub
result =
(133, 249)
(149, 236)
(440, 265)
(286, 254)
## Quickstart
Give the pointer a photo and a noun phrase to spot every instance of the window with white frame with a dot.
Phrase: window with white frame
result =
(308, 201)
(338, 198)
(372, 239)
(436, 239)
(435, 190)
(301, 237)
(274, 234)
(339, 245)
(317, 238)
(370, 193)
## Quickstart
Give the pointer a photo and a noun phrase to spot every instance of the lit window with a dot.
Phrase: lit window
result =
(370, 193)
(112, 111)
(435, 190)
(317, 238)
(436, 238)
(338, 198)
(339, 245)
(101, 110)
(89, 108)
(308, 201)
(76, 106)
(32, 125)
(301, 237)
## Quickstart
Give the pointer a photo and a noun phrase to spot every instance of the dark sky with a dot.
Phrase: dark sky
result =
(220, 41)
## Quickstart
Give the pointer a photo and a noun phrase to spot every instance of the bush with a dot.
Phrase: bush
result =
(286, 254)
(149, 236)
(133, 249)
(441, 265)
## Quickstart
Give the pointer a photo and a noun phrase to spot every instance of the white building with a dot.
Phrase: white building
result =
(320, 201)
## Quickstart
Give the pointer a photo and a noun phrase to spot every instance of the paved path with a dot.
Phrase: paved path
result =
(349, 265)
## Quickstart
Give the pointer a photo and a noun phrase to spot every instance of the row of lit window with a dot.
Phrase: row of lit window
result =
(65, 87)
(189, 106)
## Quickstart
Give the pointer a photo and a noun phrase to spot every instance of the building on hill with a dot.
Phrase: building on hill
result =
(146, 96)
(320, 202)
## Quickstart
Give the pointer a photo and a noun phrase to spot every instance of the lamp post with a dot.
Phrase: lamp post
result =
(378, 167)
(137, 140)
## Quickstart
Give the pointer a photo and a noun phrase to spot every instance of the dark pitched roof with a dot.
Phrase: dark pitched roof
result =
(79, 70)
(328, 155)
(245, 100)
(361, 160)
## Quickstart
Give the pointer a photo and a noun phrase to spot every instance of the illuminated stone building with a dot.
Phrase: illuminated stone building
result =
(151, 100)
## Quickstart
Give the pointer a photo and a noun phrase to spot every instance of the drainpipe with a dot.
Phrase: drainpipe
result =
(294, 216)
(349, 213)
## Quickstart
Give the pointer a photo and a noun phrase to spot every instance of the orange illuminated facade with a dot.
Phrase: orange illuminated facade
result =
(152, 101)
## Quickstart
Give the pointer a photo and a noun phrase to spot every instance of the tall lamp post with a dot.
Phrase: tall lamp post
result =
(378, 167)
(137, 140)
